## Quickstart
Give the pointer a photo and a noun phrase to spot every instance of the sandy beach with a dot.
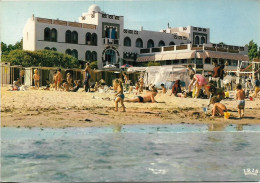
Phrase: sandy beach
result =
(40, 108)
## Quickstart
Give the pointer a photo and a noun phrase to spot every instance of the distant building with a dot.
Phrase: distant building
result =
(101, 37)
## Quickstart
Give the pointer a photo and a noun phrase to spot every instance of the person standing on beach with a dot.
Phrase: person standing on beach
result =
(191, 74)
(36, 78)
(141, 82)
(216, 73)
(87, 78)
(256, 86)
(240, 96)
(119, 95)
(126, 81)
(200, 81)
(58, 79)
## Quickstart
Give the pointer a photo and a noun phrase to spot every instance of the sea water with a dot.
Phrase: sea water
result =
(129, 153)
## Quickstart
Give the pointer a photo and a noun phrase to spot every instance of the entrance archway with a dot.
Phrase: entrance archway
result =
(110, 56)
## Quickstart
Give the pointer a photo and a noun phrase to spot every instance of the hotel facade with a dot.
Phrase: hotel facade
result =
(101, 37)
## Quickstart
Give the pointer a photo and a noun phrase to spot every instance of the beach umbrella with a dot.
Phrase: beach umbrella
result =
(126, 66)
(109, 66)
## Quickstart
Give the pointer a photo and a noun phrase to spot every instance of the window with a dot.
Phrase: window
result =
(150, 43)
(127, 41)
(183, 61)
(197, 40)
(171, 43)
(139, 43)
(94, 56)
(47, 34)
(202, 40)
(107, 32)
(161, 43)
(54, 49)
(88, 38)
(175, 61)
(94, 39)
(207, 60)
(168, 62)
(74, 53)
(74, 36)
(68, 36)
(54, 35)
(68, 52)
(88, 56)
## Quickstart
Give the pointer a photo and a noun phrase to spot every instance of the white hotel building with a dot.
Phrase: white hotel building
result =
(101, 37)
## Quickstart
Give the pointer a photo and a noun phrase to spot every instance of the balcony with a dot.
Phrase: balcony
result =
(108, 41)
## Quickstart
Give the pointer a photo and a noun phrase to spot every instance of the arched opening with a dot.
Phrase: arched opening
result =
(74, 37)
(54, 35)
(88, 56)
(202, 40)
(139, 43)
(88, 38)
(127, 41)
(54, 49)
(94, 56)
(150, 43)
(47, 34)
(161, 43)
(197, 40)
(171, 43)
(74, 53)
(68, 52)
(47, 48)
(110, 56)
(94, 39)
(68, 36)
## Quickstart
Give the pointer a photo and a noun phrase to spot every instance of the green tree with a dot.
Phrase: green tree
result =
(93, 65)
(7, 48)
(252, 50)
(153, 64)
(46, 58)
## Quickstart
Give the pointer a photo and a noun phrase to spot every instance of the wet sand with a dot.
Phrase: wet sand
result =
(39, 108)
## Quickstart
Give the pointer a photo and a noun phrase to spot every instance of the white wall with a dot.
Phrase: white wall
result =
(29, 35)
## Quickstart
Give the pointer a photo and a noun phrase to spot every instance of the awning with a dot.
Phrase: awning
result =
(146, 58)
(231, 56)
(176, 56)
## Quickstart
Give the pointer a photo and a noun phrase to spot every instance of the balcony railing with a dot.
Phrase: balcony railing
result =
(108, 41)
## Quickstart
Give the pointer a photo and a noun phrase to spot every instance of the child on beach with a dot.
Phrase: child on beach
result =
(176, 88)
(163, 88)
(69, 80)
(218, 108)
(65, 85)
(119, 95)
(240, 96)
(141, 83)
(36, 78)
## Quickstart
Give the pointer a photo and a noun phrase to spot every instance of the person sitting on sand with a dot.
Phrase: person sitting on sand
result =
(119, 95)
(148, 97)
(176, 88)
(200, 81)
(218, 108)
(216, 92)
(240, 96)
(163, 88)
(36, 78)
(16, 84)
(76, 87)
(58, 79)
(65, 85)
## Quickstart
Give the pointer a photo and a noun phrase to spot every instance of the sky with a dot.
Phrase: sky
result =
(234, 22)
